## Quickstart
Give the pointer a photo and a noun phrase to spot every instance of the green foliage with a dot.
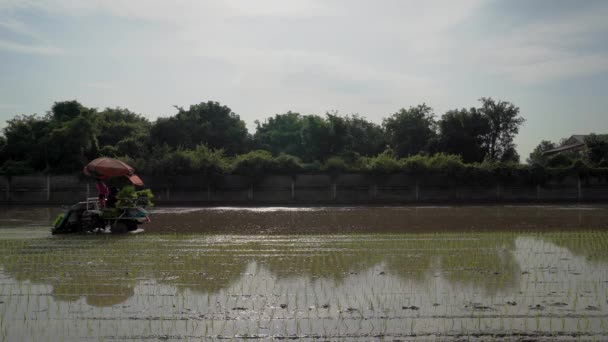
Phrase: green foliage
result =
(558, 160)
(288, 164)
(109, 151)
(126, 196)
(315, 138)
(416, 165)
(504, 121)
(72, 139)
(258, 163)
(14, 168)
(280, 134)
(26, 140)
(311, 137)
(146, 195)
(335, 165)
(165, 161)
(3, 151)
(597, 148)
(464, 132)
(537, 156)
(129, 197)
(254, 163)
(444, 161)
(410, 131)
(208, 139)
(180, 162)
(364, 137)
(206, 123)
(384, 163)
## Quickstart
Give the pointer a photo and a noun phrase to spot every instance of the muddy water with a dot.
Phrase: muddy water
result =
(447, 273)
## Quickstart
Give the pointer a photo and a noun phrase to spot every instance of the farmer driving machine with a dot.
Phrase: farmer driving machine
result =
(93, 215)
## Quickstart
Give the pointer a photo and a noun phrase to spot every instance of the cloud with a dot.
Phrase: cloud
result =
(99, 85)
(10, 106)
(545, 50)
(346, 47)
(16, 26)
(32, 41)
(30, 49)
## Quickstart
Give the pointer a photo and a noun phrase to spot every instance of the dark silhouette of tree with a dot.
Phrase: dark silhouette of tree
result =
(207, 123)
(410, 131)
(280, 134)
(537, 157)
(463, 132)
(597, 147)
(504, 122)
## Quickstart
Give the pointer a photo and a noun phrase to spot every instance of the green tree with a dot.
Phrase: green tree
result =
(504, 122)
(3, 151)
(280, 134)
(353, 134)
(61, 141)
(315, 138)
(207, 123)
(72, 139)
(597, 147)
(560, 160)
(123, 133)
(364, 137)
(338, 135)
(463, 132)
(285, 133)
(537, 157)
(410, 131)
(26, 141)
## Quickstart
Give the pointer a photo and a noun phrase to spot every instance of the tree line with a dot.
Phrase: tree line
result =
(210, 138)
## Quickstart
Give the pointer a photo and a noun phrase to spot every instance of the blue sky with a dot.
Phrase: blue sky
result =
(264, 57)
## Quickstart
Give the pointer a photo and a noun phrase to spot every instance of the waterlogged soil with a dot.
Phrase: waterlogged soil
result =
(433, 273)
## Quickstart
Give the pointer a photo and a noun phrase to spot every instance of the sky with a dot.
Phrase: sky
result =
(264, 57)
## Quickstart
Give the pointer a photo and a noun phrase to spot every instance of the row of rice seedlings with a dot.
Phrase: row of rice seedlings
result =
(343, 266)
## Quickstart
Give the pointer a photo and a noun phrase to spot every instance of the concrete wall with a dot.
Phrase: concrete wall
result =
(304, 189)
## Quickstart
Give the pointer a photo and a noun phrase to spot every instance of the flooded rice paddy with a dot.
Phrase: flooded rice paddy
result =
(394, 273)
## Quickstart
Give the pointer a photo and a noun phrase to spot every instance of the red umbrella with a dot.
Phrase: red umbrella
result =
(109, 167)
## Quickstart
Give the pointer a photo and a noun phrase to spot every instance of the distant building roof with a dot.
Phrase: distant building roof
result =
(575, 142)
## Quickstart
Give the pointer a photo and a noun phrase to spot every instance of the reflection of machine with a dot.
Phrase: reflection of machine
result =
(88, 217)
(92, 215)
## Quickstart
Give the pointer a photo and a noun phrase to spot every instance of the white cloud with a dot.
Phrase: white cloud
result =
(10, 106)
(389, 37)
(388, 51)
(543, 51)
(30, 49)
(32, 42)
(18, 27)
(99, 85)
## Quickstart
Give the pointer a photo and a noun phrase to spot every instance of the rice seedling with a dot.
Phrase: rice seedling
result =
(393, 280)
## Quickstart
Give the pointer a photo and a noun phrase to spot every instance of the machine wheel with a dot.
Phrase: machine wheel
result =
(91, 221)
(131, 225)
(119, 227)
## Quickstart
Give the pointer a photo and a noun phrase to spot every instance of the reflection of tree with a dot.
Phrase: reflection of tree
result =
(203, 268)
(106, 269)
(95, 294)
(74, 266)
(485, 261)
(589, 244)
(469, 259)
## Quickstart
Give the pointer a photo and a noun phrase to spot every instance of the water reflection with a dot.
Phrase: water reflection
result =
(369, 283)
(324, 285)
(105, 269)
